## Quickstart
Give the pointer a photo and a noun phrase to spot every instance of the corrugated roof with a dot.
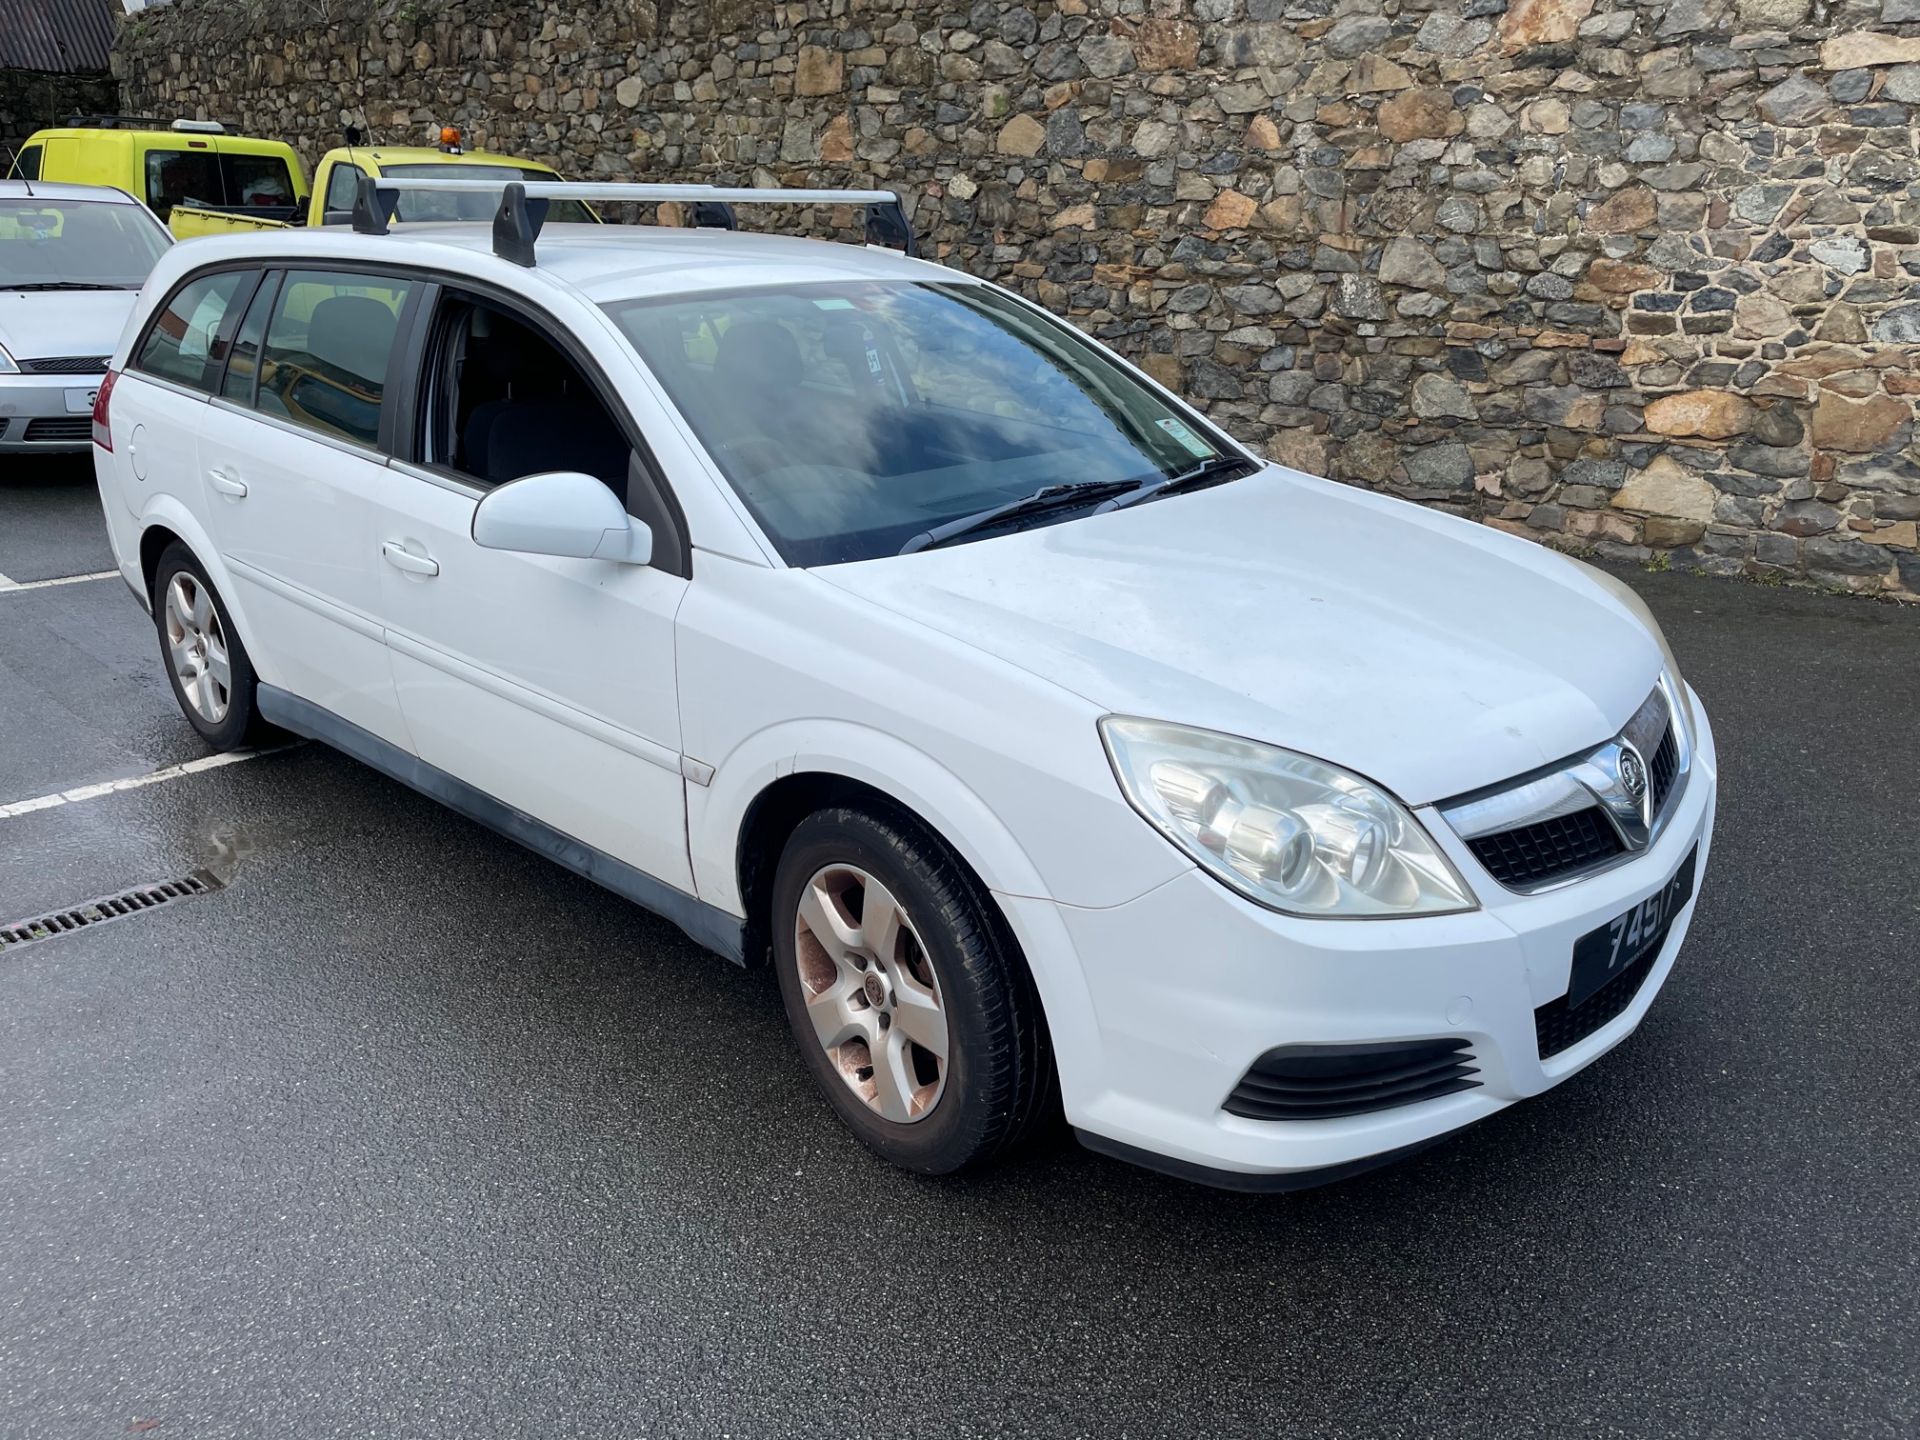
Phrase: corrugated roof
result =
(62, 35)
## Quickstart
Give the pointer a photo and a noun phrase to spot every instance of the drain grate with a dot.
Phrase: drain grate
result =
(136, 901)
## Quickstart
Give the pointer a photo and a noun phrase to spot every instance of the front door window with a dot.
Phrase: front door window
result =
(343, 183)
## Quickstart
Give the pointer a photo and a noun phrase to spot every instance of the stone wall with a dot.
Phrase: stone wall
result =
(30, 100)
(1627, 278)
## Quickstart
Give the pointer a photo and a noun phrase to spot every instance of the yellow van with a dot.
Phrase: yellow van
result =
(336, 181)
(187, 162)
(337, 178)
(339, 172)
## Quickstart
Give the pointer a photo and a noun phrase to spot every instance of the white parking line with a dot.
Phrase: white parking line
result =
(136, 782)
(7, 585)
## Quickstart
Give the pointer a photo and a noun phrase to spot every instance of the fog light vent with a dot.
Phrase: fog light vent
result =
(1320, 1082)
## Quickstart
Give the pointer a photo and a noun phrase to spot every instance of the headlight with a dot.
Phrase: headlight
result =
(7, 367)
(1292, 833)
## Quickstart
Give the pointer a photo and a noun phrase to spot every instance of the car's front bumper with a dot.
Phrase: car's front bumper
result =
(1189, 985)
(37, 415)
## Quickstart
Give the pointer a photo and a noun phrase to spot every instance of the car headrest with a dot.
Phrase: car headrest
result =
(848, 341)
(353, 333)
(759, 356)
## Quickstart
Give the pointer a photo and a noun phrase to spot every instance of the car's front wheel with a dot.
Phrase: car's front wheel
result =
(912, 1008)
(211, 674)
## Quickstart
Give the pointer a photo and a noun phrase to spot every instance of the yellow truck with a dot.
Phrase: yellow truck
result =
(337, 180)
(202, 181)
(171, 166)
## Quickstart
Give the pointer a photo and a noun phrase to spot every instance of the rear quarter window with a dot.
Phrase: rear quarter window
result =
(182, 344)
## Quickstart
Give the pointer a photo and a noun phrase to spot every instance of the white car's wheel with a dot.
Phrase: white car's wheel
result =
(208, 666)
(909, 1002)
(197, 647)
(871, 994)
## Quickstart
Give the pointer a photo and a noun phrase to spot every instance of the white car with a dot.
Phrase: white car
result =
(858, 614)
(72, 259)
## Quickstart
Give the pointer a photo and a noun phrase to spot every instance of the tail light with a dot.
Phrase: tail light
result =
(102, 430)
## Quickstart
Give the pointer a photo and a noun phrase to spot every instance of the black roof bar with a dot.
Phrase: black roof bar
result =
(136, 122)
(516, 224)
(712, 215)
(373, 206)
(524, 205)
(114, 122)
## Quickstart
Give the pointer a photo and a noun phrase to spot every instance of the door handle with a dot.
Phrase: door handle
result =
(402, 558)
(227, 484)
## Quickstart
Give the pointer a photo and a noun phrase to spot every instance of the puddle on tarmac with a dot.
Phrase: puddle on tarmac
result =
(225, 848)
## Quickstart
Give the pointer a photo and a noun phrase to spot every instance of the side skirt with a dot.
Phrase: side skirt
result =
(707, 925)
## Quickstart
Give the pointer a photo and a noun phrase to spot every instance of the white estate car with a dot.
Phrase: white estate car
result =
(72, 258)
(852, 612)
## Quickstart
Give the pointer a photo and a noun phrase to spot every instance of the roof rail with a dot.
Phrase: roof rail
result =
(523, 206)
(116, 122)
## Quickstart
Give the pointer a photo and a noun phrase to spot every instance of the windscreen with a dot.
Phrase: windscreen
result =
(850, 417)
(474, 204)
(76, 245)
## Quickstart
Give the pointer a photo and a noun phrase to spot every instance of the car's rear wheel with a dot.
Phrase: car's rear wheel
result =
(914, 1011)
(212, 677)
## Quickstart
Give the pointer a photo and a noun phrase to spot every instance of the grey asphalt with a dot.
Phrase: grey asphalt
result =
(407, 1133)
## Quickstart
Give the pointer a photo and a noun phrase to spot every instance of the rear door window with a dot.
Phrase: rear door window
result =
(324, 362)
(27, 164)
(183, 342)
(258, 182)
(183, 177)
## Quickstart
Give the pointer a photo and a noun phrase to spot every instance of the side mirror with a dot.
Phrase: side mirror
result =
(561, 513)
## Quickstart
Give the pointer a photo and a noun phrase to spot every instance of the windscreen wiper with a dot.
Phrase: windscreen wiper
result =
(65, 285)
(1216, 471)
(1048, 497)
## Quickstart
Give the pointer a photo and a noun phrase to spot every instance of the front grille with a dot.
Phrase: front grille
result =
(1661, 770)
(1552, 825)
(78, 428)
(68, 365)
(1320, 1082)
(1556, 1027)
(1548, 849)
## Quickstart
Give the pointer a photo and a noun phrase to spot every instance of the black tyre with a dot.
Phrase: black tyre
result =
(205, 661)
(910, 1004)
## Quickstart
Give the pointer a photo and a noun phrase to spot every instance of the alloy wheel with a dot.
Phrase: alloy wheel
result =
(871, 993)
(197, 647)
